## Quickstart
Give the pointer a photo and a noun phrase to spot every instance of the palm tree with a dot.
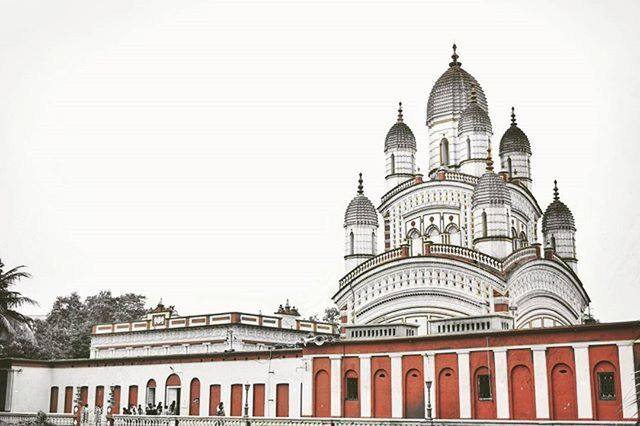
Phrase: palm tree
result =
(10, 300)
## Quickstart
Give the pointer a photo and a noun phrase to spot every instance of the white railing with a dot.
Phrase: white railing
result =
(310, 421)
(461, 177)
(387, 256)
(22, 418)
(466, 253)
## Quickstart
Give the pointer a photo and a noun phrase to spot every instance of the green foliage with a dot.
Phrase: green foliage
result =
(332, 315)
(11, 321)
(66, 332)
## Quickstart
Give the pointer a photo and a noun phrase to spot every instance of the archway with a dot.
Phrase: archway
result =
(322, 394)
(151, 393)
(413, 395)
(172, 394)
(381, 394)
(563, 393)
(448, 397)
(523, 404)
(416, 242)
(194, 398)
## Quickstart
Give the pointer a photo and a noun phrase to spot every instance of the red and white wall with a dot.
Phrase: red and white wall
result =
(544, 374)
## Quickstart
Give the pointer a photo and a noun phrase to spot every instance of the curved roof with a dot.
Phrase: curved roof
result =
(400, 135)
(474, 118)
(514, 139)
(557, 216)
(450, 94)
(490, 189)
(360, 210)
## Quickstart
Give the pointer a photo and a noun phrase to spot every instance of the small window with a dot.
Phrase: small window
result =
(484, 387)
(606, 386)
(352, 389)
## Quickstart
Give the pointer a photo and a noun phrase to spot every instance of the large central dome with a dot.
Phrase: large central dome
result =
(450, 95)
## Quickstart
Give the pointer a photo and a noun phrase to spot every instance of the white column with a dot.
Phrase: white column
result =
(540, 378)
(583, 380)
(502, 383)
(365, 385)
(336, 388)
(307, 386)
(430, 374)
(627, 381)
(396, 386)
(464, 384)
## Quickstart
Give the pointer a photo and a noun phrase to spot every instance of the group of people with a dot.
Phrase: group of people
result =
(151, 410)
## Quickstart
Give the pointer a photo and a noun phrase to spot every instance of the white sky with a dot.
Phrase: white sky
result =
(205, 151)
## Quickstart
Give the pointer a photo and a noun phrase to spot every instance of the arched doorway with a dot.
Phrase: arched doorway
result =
(416, 242)
(194, 397)
(172, 394)
(150, 397)
(414, 395)
(322, 394)
(448, 396)
(381, 394)
(523, 405)
(563, 393)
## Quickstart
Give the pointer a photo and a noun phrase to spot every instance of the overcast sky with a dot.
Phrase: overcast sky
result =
(205, 151)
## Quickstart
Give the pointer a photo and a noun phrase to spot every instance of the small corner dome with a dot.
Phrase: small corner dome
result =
(557, 216)
(490, 190)
(474, 118)
(514, 139)
(400, 135)
(361, 210)
(451, 92)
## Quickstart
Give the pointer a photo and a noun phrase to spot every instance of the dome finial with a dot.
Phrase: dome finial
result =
(399, 112)
(454, 57)
(489, 160)
(556, 194)
(474, 95)
(513, 117)
(360, 187)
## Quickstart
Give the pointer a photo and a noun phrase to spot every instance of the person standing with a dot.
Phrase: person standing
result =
(97, 415)
(220, 411)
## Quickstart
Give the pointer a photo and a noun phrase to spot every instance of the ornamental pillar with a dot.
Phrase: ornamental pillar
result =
(502, 383)
(583, 380)
(396, 386)
(430, 375)
(541, 384)
(336, 386)
(365, 385)
(307, 386)
(627, 381)
(464, 382)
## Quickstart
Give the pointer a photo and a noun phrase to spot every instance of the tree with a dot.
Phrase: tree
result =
(66, 332)
(11, 320)
(332, 315)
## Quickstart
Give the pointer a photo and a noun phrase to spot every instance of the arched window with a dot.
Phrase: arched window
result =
(509, 166)
(433, 234)
(484, 224)
(468, 148)
(553, 242)
(444, 152)
(373, 243)
(452, 235)
(514, 239)
(393, 164)
(523, 239)
(351, 243)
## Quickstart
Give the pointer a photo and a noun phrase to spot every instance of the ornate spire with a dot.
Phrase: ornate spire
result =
(513, 117)
(399, 112)
(360, 188)
(474, 95)
(556, 194)
(489, 160)
(454, 57)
